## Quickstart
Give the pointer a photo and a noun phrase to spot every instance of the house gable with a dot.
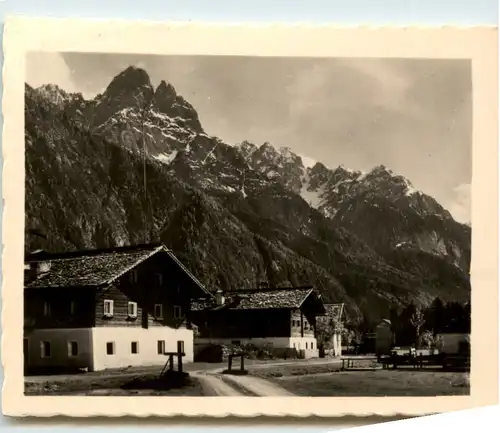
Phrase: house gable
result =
(333, 317)
(99, 268)
(282, 312)
(266, 299)
(147, 279)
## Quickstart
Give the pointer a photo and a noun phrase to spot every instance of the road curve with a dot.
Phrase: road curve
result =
(214, 386)
(258, 386)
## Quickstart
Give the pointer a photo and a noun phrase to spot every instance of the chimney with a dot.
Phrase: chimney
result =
(34, 269)
(219, 297)
(30, 271)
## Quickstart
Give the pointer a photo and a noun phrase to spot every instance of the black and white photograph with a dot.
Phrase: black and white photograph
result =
(236, 225)
(247, 226)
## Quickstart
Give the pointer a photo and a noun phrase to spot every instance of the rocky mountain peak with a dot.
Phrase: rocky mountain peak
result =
(380, 170)
(318, 168)
(342, 173)
(246, 148)
(166, 88)
(164, 97)
(128, 80)
(130, 89)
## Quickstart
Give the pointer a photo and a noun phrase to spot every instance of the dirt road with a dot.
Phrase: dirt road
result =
(258, 387)
(228, 385)
(213, 382)
(215, 386)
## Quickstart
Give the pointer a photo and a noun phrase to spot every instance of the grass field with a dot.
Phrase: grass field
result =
(301, 378)
(292, 370)
(416, 383)
(136, 383)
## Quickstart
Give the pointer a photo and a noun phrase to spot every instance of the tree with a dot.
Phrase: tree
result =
(348, 337)
(405, 330)
(437, 316)
(431, 341)
(417, 320)
(325, 329)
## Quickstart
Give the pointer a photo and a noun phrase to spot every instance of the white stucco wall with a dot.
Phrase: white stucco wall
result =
(298, 343)
(337, 344)
(59, 353)
(147, 340)
(334, 346)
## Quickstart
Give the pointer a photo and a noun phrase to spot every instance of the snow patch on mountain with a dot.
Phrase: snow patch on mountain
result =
(308, 193)
(307, 161)
(166, 158)
(313, 198)
(410, 190)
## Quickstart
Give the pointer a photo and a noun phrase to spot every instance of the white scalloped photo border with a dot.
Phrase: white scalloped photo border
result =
(479, 44)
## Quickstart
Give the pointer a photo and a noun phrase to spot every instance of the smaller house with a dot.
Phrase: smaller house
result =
(332, 326)
(384, 338)
(283, 318)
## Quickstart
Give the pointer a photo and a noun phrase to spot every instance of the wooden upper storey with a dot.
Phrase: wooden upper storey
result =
(132, 286)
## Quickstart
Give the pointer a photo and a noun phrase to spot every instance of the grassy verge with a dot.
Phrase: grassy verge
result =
(144, 384)
(378, 383)
(241, 389)
(292, 370)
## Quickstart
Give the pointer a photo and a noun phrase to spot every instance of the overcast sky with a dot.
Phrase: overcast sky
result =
(414, 116)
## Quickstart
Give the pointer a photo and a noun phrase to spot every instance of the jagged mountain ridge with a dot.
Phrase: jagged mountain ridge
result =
(236, 214)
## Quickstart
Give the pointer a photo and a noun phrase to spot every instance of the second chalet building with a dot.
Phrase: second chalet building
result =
(107, 308)
(284, 318)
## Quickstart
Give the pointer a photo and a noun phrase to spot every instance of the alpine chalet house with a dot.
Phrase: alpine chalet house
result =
(107, 308)
(281, 318)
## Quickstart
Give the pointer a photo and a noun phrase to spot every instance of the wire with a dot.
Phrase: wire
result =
(144, 175)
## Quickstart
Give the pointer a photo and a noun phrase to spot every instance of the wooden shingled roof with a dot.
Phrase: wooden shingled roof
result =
(333, 314)
(278, 298)
(92, 268)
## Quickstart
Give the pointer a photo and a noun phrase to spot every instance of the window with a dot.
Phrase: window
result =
(45, 349)
(161, 347)
(180, 346)
(46, 308)
(132, 310)
(306, 325)
(110, 348)
(134, 347)
(72, 348)
(132, 276)
(158, 311)
(312, 346)
(177, 312)
(108, 308)
(159, 275)
(294, 345)
(306, 344)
